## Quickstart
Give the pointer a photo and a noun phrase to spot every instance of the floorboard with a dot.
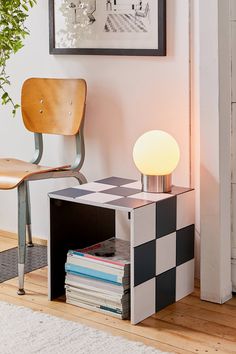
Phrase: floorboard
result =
(188, 326)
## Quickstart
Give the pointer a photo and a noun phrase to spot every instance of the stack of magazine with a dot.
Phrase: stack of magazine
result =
(98, 277)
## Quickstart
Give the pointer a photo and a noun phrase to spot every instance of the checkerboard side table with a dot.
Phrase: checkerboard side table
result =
(161, 237)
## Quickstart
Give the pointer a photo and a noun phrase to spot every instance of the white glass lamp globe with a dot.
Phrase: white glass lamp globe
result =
(156, 153)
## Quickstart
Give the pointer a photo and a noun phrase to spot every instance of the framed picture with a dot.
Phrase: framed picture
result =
(107, 27)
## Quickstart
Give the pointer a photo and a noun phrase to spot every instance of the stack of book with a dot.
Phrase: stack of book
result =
(98, 277)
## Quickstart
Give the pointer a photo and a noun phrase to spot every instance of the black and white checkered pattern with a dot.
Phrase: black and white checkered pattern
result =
(161, 234)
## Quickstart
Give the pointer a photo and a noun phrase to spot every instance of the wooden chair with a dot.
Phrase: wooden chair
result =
(50, 106)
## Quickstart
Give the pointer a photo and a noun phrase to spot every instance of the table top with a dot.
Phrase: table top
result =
(114, 193)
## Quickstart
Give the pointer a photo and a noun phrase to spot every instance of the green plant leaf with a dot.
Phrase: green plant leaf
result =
(13, 31)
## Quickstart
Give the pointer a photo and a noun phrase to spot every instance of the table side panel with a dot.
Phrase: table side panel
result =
(74, 226)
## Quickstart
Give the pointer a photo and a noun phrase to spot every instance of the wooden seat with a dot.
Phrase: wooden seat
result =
(50, 106)
(14, 171)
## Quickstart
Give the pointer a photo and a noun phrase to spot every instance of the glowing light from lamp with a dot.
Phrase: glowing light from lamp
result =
(156, 153)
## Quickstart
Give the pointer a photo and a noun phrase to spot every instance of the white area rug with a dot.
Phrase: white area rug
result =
(25, 331)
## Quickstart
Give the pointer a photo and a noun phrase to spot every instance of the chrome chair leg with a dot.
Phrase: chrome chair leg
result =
(22, 195)
(21, 272)
(80, 177)
(28, 217)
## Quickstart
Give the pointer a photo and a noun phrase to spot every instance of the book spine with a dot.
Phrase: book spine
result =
(98, 295)
(94, 278)
(76, 269)
(97, 283)
(88, 282)
(91, 288)
(96, 301)
(93, 308)
(84, 262)
(115, 264)
(103, 307)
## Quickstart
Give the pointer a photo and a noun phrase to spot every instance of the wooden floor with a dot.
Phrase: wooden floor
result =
(189, 326)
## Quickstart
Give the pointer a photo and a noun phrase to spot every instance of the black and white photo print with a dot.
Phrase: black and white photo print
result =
(113, 27)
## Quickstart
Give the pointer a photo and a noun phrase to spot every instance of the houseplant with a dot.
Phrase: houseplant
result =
(13, 14)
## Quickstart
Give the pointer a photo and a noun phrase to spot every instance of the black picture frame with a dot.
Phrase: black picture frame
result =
(159, 50)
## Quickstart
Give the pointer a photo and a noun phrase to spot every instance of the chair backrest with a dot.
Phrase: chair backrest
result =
(53, 106)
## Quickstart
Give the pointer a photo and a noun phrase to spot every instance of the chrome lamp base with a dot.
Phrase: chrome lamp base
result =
(156, 184)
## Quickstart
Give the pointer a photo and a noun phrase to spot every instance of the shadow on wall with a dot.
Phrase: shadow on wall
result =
(105, 130)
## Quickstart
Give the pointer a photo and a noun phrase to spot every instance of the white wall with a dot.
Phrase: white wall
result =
(126, 97)
(233, 138)
(214, 113)
(195, 123)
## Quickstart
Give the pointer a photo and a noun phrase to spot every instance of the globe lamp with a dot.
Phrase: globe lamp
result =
(156, 155)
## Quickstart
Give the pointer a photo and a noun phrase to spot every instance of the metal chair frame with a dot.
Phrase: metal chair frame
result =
(24, 210)
(49, 106)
